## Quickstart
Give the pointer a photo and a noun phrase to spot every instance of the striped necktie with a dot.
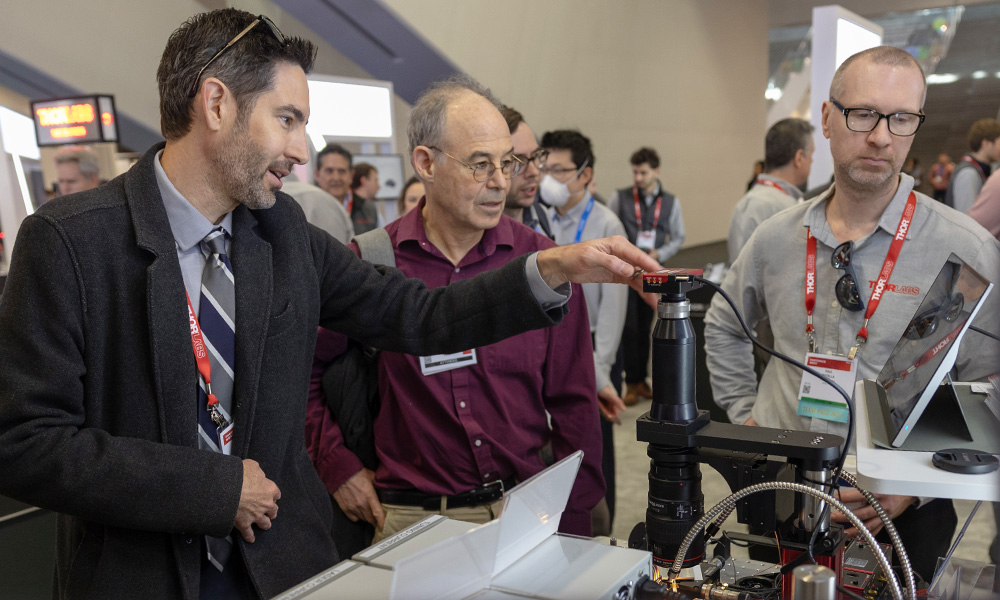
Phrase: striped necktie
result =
(217, 316)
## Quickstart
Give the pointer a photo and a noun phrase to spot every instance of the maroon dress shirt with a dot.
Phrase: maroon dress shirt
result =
(450, 432)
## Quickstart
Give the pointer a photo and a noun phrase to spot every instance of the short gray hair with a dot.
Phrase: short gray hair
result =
(426, 126)
(879, 55)
(84, 157)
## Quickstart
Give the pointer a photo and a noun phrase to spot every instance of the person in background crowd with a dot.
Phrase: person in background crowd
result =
(986, 210)
(788, 150)
(158, 334)
(975, 167)
(78, 169)
(758, 168)
(522, 200)
(365, 182)
(653, 222)
(914, 170)
(410, 197)
(321, 209)
(476, 419)
(575, 215)
(872, 218)
(334, 173)
(940, 176)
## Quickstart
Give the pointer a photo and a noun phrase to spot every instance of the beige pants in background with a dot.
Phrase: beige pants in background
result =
(398, 517)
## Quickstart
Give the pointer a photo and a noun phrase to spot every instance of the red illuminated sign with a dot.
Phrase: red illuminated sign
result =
(75, 120)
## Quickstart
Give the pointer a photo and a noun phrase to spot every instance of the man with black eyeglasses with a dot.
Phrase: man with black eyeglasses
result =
(840, 276)
(154, 376)
(522, 199)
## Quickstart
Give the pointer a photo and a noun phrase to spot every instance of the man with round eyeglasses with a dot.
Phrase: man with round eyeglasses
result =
(477, 418)
(522, 199)
(842, 275)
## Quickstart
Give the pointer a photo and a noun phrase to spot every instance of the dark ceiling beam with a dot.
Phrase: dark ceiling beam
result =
(377, 40)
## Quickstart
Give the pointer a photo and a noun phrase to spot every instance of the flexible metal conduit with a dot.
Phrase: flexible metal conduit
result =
(729, 502)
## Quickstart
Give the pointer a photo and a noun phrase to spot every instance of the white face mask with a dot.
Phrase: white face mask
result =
(554, 192)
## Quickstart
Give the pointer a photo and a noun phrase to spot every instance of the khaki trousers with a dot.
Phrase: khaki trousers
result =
(399, 517)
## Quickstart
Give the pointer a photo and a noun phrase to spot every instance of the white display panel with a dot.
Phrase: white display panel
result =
(853, 38)
(349, 109)
(837, 34)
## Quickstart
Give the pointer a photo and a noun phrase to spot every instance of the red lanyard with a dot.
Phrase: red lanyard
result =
(975, 163)
(890, 262)
(201, 358)
(883, 278)
(349, 202)
(772, 184)
(810, 287)
(638, 214)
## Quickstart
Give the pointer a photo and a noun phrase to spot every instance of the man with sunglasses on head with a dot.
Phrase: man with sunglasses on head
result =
(839, 277)
(454, 431)
(522, 199)
(154, 377)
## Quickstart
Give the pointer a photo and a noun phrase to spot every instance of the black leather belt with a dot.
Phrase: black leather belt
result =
(491, 492)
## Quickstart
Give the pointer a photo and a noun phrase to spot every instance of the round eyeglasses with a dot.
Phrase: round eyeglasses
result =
(484, 169)
(537, 158)
(863, 120)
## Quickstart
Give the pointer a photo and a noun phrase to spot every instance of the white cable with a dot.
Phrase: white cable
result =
(711, 514)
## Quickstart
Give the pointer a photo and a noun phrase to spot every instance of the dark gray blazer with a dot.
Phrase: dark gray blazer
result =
(98, 381)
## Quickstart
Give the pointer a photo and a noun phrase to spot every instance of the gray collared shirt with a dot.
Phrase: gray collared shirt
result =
(606, 302)
(189, 227)
(767, 281)
(761, 202)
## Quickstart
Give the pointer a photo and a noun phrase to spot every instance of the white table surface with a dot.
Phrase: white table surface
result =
(912, 473)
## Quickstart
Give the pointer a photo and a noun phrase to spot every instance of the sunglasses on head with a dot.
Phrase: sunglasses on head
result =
(848, 294)
(271, 27)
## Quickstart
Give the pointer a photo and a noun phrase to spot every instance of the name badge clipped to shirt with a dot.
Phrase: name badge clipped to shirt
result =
(819, 400)
(646, 240)
(225, 438)
(438, 363)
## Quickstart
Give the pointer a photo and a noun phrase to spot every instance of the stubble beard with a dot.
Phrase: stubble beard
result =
(237, 167)
(868, 180)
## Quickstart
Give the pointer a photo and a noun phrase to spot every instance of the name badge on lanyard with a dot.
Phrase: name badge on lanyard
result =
(438, 363)
(646, 239)
(819, 400)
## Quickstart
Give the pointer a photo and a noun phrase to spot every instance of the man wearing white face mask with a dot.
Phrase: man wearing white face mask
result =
(652, 220)
(574, 217)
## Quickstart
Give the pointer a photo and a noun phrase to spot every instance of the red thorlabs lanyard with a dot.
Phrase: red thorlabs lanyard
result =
(204, 366)
(810, 287)
(638, 213)
(883, 278)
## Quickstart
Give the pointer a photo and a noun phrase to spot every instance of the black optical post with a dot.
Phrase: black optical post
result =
(680, 437)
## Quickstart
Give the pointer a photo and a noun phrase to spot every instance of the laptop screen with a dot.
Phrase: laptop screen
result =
(929, 346)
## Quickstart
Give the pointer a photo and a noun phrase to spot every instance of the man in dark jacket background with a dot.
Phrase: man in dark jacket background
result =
(99, 391)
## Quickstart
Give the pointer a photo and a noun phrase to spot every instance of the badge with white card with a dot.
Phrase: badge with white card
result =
(646, 240)
(225, 438)
(439, 363)
(817, 398)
